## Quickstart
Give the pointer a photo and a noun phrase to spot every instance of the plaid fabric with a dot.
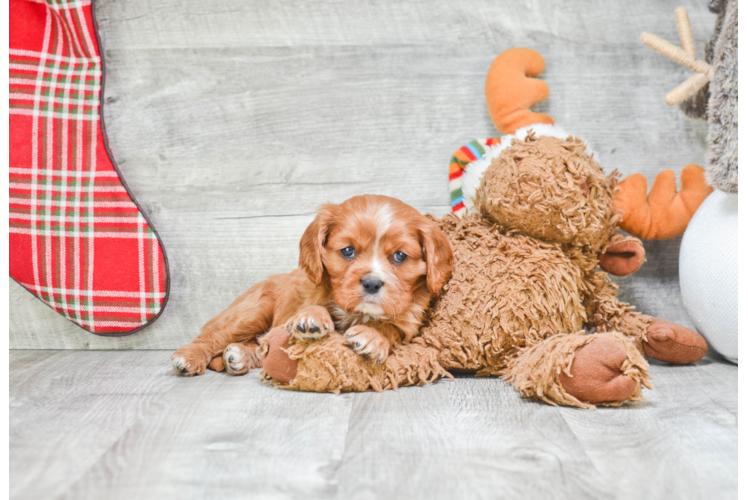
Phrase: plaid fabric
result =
(463, 157)
(77, 239)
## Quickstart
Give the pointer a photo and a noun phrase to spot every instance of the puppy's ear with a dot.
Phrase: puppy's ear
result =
(437, 252)
(312, 245)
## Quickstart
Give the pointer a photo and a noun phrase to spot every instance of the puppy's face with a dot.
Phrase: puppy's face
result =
(378, 255)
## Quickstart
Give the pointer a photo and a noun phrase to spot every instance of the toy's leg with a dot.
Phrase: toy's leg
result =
(654, 337)
(330, 365)
(581, 370)
(673, 343)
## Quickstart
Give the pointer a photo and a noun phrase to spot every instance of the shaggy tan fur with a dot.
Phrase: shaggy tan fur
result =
(525, 283)
(551, 190)
(607, 314)
(331, 366)
(506, 292)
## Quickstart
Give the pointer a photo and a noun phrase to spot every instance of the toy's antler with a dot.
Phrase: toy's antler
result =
(685, 56)
(665, 213)
(511, 90)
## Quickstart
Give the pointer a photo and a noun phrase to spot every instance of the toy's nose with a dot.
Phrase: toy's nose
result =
(371, 285)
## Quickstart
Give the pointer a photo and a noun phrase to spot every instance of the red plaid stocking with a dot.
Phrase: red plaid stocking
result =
(78, 240)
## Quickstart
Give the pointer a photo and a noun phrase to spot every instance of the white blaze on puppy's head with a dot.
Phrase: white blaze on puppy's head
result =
(381, 216)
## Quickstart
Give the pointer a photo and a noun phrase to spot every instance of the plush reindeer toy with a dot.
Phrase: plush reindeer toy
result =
(533, 234)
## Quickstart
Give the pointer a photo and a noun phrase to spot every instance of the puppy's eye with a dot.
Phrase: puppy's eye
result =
(399, 257)
(348, 252)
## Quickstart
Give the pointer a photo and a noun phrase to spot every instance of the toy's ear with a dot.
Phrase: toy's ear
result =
(665, 213)
(437, 252)
(511, 90)
(624, 256)
(312, 244)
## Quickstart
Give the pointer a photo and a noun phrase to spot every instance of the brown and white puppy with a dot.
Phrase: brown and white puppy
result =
(368, 268)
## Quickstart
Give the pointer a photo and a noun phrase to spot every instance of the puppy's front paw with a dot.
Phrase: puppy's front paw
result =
(190, 360)
(367, 341)
(311, 323)
(240, 358)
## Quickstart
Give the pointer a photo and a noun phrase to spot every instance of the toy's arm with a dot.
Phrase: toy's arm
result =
(607, 314)
(665, 213)
(624, 255)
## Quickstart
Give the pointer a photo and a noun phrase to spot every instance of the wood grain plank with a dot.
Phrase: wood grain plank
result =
(66, 410)
(116, 424)
(472, 438)
(222, 23)
(682, 443)
(219, 436)
(476, 438)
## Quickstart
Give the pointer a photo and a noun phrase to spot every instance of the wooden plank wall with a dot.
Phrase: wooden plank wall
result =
(231, 121)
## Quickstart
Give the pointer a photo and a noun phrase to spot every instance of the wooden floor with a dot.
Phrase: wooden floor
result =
(121, 424)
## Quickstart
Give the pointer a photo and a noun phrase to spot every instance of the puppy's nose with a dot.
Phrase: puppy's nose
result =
(371, 285)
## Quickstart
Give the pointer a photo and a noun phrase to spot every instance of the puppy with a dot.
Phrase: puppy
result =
(367, 267)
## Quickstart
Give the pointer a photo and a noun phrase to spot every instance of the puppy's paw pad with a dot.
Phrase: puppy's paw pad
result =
(368, 342)
(179, 364)
(235, 360)
(187, 365)
(310, 324)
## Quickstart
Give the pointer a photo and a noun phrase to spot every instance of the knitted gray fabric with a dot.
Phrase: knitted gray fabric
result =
(718, 101)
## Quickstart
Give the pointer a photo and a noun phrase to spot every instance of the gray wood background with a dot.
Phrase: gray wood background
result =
(232, 121)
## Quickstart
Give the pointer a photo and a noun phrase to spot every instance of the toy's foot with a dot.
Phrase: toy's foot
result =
(240, 358)
(275, 360)
(311, 323)
(596, 373)
(673, 343)
(190, 360)
(216, 364)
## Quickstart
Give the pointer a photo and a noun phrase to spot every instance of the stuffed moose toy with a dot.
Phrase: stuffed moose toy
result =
(533, 236)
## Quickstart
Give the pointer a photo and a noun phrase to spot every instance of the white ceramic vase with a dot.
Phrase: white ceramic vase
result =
(708, 271)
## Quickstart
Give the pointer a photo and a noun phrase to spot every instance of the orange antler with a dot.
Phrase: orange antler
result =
(665, 213)
(511, 90)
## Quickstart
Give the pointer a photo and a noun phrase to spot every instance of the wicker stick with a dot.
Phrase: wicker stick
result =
(686, 89)
(685, 56)
(675, 53)
(684, 31)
